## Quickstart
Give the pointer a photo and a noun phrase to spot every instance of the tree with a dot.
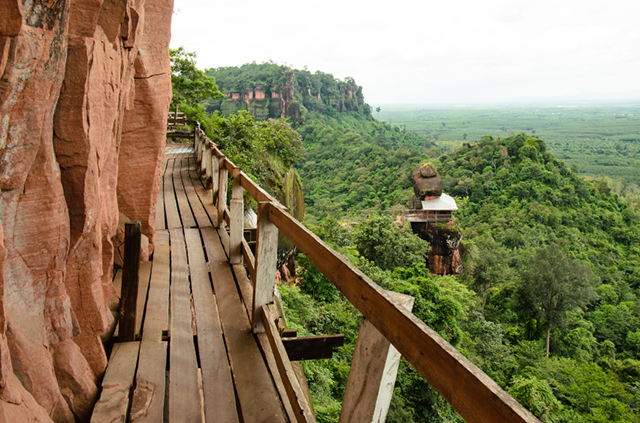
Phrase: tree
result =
(552, 283)
(378, 111)
(190, 84)
(633, 338)
(489, 269)
(536, 395)
(380, 240)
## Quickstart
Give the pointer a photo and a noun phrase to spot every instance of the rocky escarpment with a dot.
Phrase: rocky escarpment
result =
(272, 91)
(84, 94)
(435, 225)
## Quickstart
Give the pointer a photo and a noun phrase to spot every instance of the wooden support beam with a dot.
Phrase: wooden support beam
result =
(236, 217)
(215, 177)
(223, 175)
(254, 190)
(373, 373)
(266, 262)
(206, 163)
(311, 347)
(301, 408)
(130, 269)
(249, 259)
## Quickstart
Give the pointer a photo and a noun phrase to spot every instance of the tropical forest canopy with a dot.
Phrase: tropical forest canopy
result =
(549, 306)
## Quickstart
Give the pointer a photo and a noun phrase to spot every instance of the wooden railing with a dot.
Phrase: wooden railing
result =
(176, 125)
(426, 216)
(473, 394)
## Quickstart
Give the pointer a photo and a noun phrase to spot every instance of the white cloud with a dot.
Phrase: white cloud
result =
(428, 51)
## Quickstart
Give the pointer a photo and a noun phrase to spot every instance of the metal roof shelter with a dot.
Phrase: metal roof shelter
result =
(443, 203)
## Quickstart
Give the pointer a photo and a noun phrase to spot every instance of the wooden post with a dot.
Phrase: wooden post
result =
(129, 292)
(266, 261)
(222, 190)
(206, 162)
(197, 141)
(215, 177)
(373, 373)
(236, 213)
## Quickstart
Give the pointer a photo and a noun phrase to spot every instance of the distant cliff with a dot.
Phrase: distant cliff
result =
(268, 90)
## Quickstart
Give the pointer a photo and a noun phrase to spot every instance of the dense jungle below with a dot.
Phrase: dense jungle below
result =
(549, 306)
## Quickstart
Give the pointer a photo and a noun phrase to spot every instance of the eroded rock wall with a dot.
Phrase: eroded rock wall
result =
(67, 78)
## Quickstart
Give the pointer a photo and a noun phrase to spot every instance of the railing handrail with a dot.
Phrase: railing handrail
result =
(473, 394)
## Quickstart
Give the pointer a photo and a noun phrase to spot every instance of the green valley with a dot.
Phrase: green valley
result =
(549, 306)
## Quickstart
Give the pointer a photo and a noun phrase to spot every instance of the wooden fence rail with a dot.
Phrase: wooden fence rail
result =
(473, 394)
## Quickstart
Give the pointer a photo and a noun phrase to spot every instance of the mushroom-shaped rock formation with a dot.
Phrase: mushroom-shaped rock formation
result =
(426, 182)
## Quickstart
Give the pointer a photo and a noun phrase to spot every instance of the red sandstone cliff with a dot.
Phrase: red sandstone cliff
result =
(84, 94)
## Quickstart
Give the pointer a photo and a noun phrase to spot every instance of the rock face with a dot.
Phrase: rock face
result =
(427, 183)
(68, 95)
(444, 258)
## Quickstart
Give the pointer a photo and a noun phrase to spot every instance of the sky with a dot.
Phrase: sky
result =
(438, 52)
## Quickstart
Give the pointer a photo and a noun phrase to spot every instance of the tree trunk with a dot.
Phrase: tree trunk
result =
(548, 336)
(484, 301)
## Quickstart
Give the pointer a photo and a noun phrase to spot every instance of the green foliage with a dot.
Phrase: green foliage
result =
(536, 395)
(190, 85)
(287, 92)
(380, 240)
(356, 165)
(553, 284)
(488, 268)
(264, 150)
(532, 226)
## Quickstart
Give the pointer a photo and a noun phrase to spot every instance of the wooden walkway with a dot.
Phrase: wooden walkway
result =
(197, 359)
(209, 343)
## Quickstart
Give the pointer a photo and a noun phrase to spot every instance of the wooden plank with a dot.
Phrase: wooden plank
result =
(473, 394)
(217, 383)
(143, 287)
(116, 385)
(184, 393)
(372, 375)
(199, 212)
(223, 176)
(236, 217)
(160, 223)
(266, 264)
(301, 407)
(254, 190)
(205, 198)
(156, 318)
(245, 285)
(255, 389)
(226, 216)
(170, 204)
(312, 347)
(215, 174)
(263, 340)
(228, 164)
(249, 259)
(147, 403)
(224, 238)
(181, 197)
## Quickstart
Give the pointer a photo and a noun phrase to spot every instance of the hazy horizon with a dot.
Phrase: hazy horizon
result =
(460, 51)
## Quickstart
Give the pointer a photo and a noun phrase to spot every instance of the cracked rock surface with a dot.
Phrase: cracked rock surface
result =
(85, 89)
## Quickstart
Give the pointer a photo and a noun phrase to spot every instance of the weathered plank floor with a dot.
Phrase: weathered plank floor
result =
(197, 359)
